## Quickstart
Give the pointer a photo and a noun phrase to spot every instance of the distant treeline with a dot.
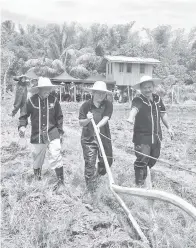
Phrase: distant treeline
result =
(52, 49)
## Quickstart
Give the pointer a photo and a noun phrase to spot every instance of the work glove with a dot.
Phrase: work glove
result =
(22, 132)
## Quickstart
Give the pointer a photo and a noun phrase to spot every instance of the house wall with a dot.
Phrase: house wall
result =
(110, 70)
(125, 78)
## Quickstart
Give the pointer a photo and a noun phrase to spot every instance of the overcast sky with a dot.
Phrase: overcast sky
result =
(146, 13)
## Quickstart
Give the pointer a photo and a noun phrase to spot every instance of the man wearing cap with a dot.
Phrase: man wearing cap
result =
(47, 128)
(100, 109)
(146, 112)
(21, 94)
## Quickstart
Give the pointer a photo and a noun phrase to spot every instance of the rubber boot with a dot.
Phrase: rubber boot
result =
(60, 177)
(37, 174)
(139, 176)
(145, 173)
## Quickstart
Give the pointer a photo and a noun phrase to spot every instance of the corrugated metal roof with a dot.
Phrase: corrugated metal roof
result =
(136, 60)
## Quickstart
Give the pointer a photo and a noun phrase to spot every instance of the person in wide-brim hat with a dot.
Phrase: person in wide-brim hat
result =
(21, 77)
(99, 86)
(143, 79)
(47, 129)
(43, 84)
(100, 109)
(147, 113)
(20, 93)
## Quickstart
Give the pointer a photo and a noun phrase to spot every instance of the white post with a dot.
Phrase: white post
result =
(74, 93)
(128, 93)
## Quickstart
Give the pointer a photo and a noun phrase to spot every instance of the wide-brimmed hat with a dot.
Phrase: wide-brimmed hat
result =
(43, 82)
(143, 79)
(22, 76)
(98, 86)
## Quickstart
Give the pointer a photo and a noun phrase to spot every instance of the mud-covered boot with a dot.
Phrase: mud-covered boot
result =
(145, 173)
(139, 176)
(37, 174)
(60, 177)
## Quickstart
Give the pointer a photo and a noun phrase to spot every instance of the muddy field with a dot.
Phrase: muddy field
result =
(34, 216)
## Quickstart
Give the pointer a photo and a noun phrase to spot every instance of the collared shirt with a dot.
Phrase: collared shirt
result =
(105, 109)
(46, 118)
(147, 126)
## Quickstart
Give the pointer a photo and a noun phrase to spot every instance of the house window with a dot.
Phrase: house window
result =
(129, 68)
(111, 68)
(142, 68)
(121, 65)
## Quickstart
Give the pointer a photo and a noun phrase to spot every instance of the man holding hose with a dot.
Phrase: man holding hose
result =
(100, 109)
(146, 112)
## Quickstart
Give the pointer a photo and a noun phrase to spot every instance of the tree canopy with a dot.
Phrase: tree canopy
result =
(52, 49)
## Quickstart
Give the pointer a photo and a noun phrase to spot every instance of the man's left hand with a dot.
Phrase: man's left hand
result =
(171, 133)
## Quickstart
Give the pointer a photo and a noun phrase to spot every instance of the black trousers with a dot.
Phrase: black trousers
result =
(90, 152)
(141, 162)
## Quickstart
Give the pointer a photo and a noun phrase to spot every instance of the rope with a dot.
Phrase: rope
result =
(163, 161)
(157, 159)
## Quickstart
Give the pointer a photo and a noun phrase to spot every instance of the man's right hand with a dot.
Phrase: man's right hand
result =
(89, 116)
(22, 132)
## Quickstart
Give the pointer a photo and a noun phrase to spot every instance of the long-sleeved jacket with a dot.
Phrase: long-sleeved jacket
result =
(46, 118)
(20, 98)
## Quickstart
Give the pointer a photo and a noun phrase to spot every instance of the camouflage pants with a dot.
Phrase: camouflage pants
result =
(90, 152)
(141, 162)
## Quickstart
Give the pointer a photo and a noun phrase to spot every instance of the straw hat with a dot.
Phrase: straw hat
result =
(21, 76)
(43, 82)
(143, 79)
(98, 86)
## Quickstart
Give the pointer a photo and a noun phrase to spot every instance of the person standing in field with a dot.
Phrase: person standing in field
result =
(46, 128)
(116, 93)
(146, 113)
(72, 91)
(100, 109)
(21, 94)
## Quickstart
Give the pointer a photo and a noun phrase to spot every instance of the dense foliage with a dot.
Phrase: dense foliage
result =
(54, 48)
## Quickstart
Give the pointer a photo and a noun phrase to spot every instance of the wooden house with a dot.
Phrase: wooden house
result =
(127, 71)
